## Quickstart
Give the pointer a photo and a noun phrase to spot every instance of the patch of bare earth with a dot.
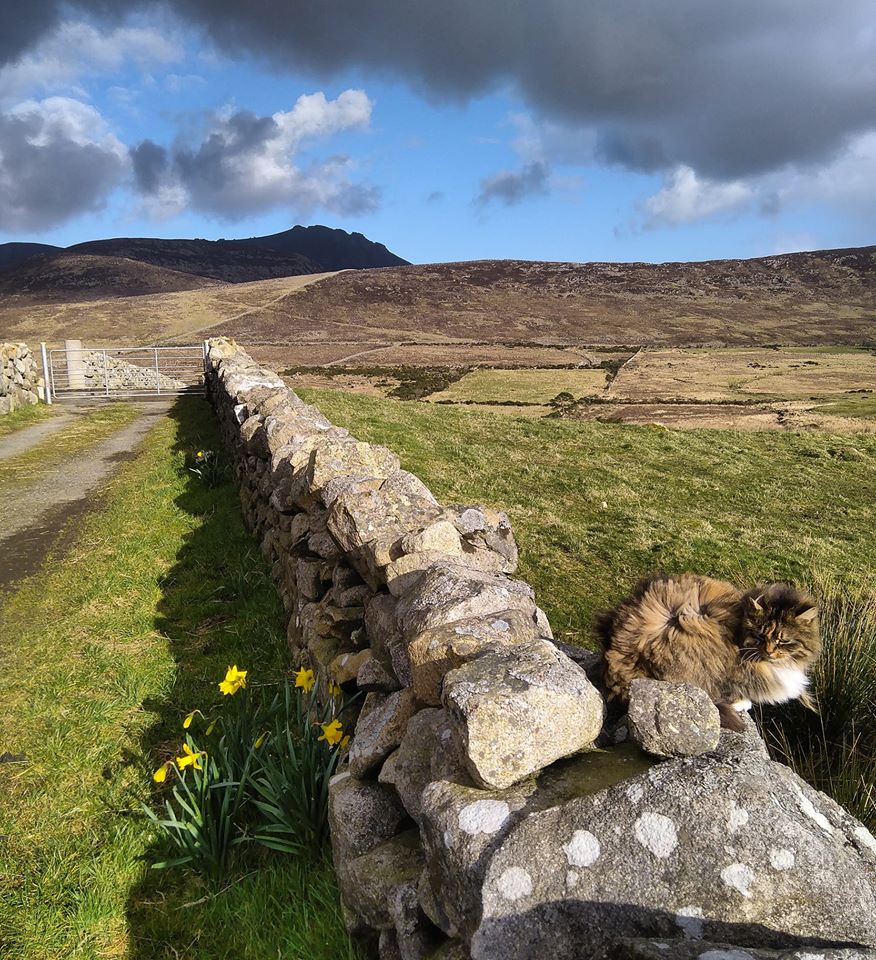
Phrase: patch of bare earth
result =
(744, 374)
(719, 416)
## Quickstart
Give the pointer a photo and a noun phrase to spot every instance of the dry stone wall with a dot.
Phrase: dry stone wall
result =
(98, 369)
(473, 815)
(21, 381)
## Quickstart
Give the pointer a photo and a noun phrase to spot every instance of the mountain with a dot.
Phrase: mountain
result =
(301, 250)
(333, 249)
(462, 313)
(11, 253)
(216, 259)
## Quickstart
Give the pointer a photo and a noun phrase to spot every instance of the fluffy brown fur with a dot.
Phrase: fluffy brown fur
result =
(738, 647)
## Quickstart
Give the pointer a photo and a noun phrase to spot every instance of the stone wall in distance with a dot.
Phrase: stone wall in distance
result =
(21, 380)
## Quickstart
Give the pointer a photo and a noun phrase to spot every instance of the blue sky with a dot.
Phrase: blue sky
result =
(436, 170)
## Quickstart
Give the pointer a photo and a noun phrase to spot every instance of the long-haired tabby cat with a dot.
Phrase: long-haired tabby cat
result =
(741, 648)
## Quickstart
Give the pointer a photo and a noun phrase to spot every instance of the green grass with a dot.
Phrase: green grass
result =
(595, 506)
(522, 386)
(24, 416)
(110, 647)
(860, 405)
(77, 436)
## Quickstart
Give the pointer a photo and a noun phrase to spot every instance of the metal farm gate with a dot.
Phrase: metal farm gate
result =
(77, 372)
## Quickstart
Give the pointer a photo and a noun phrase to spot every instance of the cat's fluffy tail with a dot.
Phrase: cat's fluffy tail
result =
(604, 626)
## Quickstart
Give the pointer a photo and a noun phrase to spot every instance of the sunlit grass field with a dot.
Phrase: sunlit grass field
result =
(856, 405)
(596, 506)
(522, 386)
(103, 655)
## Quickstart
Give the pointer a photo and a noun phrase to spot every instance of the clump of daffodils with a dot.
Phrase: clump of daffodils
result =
(210, 466)
(247, 786)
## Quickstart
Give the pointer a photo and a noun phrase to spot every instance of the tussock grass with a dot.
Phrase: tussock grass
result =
(104, 653)
(24, 416)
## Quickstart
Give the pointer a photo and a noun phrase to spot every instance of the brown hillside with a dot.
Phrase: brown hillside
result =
(185, 315)
(823, 297)
(78, 277)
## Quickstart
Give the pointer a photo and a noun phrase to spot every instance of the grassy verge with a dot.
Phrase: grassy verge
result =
(83, 432)
(23, 416)
(110, 648)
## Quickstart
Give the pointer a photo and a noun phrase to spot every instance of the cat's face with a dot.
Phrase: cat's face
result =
(779, 623)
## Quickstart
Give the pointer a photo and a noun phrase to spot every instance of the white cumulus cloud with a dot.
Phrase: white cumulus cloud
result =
(686, 197)
(75, 50)
(246, 163)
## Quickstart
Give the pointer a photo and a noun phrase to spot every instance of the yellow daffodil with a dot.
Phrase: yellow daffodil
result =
(305, 679)
(345, 741)
(160, 774)
(191, 758)
(189, 717)
(334, 689)
(332, 732)
(199, 455)
(234, 680)
(260, 740)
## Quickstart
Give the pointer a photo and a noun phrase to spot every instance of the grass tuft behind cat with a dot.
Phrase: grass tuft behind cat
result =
(835, 748)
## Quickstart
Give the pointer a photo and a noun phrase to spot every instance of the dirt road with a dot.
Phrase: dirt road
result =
(41, 515)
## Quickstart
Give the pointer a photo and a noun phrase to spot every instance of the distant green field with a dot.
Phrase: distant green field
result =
(522, 386)
(856, 405)
(595, 506)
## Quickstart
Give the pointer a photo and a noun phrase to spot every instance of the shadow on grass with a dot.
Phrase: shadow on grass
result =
(219, 607)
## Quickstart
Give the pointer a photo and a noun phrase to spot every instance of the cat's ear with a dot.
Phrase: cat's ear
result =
(807, 616)
(754, 603)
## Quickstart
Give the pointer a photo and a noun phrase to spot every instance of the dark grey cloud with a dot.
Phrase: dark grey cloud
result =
(512, 186)
(150, 164)
(729, 89)
(55, 163)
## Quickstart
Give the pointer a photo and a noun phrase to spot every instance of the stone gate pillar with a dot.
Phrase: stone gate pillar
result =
(75, 364)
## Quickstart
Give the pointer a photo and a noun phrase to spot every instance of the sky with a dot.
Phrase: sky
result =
(559, 130)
